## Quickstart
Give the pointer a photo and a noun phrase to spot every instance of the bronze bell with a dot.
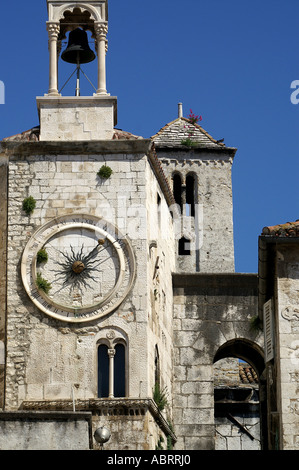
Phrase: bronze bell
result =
(78, 50)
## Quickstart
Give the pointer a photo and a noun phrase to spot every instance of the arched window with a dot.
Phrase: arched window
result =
(119, 371)
(190, 195)
(177, 189)
(111, 371)
(239, 396)
(103, 371)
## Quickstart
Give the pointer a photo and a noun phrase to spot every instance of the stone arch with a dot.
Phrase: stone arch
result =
(58, 14)
(244, 349)
(72, 19)
(247, 403)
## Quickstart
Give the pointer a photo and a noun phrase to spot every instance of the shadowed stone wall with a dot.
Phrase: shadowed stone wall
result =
(209, 311)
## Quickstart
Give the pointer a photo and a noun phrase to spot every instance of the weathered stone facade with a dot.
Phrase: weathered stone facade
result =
(210, 312)
(168, 202)
(209, 164)
(279, 285)
(48, 360)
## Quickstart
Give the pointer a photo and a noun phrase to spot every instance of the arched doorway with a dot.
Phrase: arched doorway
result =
(239, 396)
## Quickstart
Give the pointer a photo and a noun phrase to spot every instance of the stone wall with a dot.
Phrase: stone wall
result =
(45, 431)
(209, 311)
(46, 359)
(287, 342)
(211, 230)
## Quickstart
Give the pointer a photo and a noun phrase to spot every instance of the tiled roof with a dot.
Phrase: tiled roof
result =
(181, 129)
(290, 229)
(30, 135)
(247, 374)
(120, 134)
(33, 135)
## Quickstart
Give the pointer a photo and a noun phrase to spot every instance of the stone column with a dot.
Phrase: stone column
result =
(53, 31)
(101, 30)
(111, 354)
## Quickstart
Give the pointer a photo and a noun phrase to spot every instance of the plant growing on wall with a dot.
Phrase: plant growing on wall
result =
(42, 256)
(159, 445)
(42, 283)
(29, 205)
(160, 396)
(169, 438)
(188, 142)
(105, 172)
(193, 119)
(256, 323)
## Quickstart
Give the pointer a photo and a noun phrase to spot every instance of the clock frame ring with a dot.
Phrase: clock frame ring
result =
(78, 223)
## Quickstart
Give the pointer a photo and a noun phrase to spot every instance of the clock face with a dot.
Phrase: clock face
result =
(77, 268)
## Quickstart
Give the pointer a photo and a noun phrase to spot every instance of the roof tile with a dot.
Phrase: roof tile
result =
(290, 229)
(172, 135)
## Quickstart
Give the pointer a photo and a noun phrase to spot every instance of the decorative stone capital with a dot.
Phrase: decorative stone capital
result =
(111, 352)
(101, 30)
(53, 30)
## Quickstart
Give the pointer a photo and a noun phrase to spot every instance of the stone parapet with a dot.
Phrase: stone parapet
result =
(121, 410)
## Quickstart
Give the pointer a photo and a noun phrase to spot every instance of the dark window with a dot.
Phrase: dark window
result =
(177, 189)
(190, 195)
(103, 371)
(184, 246)
(119, 371)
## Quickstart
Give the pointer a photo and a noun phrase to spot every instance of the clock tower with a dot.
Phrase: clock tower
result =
(86, 312)
(80, 117)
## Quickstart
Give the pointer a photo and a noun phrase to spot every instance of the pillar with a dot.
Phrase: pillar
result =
(111, 354)
(53, 31)
(101, 30)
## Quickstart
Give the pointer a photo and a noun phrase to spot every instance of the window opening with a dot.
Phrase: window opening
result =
(111, 371)
(177, 189)
(103, 371)
(184, 247)
(119, 371)
(190, 196)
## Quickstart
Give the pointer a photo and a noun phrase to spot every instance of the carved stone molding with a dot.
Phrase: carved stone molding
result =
(101, 30)
(110, 335)
(290, 313)
(53, 30)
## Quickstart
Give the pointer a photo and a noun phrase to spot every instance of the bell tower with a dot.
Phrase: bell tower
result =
(77, 117)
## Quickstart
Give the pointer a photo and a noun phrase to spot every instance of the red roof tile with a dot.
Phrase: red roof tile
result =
(290, 229)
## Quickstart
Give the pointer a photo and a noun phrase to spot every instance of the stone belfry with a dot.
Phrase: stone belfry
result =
(77, 118)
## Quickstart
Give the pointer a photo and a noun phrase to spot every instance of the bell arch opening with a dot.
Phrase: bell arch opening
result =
(71, 20)
(238, 396)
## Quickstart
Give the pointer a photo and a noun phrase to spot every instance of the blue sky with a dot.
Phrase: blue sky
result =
(231, 61)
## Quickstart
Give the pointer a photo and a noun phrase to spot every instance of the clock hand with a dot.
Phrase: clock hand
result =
(94, 251)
